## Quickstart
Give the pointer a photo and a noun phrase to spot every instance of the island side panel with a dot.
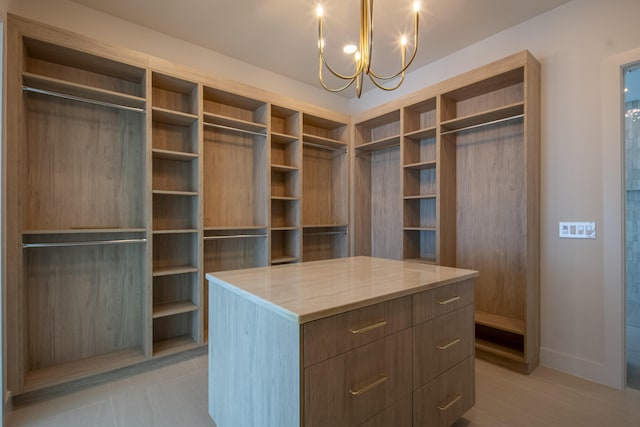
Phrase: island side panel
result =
(254, 363)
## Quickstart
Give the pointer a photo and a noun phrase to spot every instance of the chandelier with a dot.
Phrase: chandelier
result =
(362, 53)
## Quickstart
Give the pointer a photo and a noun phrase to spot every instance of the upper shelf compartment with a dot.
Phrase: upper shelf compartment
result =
(175, 101)
(488, 101)
(324, 133)
(228, 111)
(57, 65)
(378, 133)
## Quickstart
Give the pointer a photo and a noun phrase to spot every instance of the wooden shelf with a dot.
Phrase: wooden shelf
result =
(325, 225)
(284, 260)
(429, 261)
(81, 92)
(170, 309)
(284, 168)
(419, 229)
(499, 350)
(420, 197)
(324, 142)
(285, 198)
(379, 144)
(173, 345)
(281, 138)
(503, 323)
(234, 124)
(421, 134)
(172, 117)
(83, 368)
(485, 117)
(84, 230)
(284, 228)
(421, 165)
(236, 228)
(173, 155)
(181, 269)
(179, 231)
(175, 193)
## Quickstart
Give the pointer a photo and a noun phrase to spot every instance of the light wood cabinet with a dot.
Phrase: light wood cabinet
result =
(363, 360)
(450, 176)
(132, 177)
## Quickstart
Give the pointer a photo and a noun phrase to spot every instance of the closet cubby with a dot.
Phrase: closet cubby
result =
(225, 110)
(378, 133)
(324, 133)
(285, 245)
(175, 333)
(325, 242)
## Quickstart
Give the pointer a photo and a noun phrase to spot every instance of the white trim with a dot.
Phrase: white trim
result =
(613, 297)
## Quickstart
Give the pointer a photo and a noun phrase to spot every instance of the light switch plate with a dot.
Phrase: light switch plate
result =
(577, 230)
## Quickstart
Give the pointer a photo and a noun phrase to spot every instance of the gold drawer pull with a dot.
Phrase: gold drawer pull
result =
(450, 404)
(446, 346)
(368, 328)
(449, 301)
(368, 387)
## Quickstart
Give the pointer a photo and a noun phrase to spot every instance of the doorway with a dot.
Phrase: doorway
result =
(632, 215)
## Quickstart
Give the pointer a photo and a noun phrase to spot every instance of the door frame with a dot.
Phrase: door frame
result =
(614, 213)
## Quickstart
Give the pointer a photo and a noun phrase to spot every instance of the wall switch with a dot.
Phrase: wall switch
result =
(577, 230)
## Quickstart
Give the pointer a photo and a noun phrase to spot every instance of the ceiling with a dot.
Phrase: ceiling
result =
(281, 35)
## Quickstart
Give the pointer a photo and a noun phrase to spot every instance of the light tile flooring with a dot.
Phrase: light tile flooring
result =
(176, 395)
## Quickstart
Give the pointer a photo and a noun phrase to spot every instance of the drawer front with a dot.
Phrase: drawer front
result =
(399, 414)
(351, 388)
(442, 343)
(328, 337)
(445, 299)
(445, 399)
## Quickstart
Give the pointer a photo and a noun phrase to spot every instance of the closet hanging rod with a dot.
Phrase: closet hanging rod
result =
(325, 233)
(506, 119)
(81, 99)
(235, 236)
(326, 147)
(87, 243)
(213, 125)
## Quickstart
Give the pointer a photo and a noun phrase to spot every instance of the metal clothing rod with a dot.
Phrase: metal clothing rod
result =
(326, 147)
(234, 236)
(519, 116)
(325, 233)
(213, 125)
(81, 99)
(87, 243)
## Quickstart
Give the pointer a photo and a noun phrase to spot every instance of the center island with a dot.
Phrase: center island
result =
(355, 341)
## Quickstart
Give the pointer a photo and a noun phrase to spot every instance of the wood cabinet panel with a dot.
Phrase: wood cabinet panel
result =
(397, 415)
(334, 335)
(442, 343)
(349, 389)
(435, 302)
(445, 399)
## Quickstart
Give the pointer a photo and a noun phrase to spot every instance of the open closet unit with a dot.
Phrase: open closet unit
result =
(450, 176)
(132, 177)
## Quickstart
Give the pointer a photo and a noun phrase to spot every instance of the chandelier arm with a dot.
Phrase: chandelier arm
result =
(388, 89)
(323, 60)
(335, 73)
(324, 85)
(408, 64)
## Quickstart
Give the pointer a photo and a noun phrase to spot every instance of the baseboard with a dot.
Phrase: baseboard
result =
(587, 369)
(7, 408)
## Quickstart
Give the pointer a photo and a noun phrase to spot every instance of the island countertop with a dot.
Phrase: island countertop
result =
(313, 290)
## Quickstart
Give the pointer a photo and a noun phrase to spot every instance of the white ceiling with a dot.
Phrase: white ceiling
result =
(281, 35)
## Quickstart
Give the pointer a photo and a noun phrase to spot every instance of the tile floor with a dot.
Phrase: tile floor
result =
(176, 395)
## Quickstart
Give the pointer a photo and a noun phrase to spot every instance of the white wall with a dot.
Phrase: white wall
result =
(581, 327)
(572, 43)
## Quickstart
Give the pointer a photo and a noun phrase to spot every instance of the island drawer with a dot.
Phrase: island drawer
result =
(328, 337)
(445, 399)
(442, 343)
(436, 302)
(351, 388)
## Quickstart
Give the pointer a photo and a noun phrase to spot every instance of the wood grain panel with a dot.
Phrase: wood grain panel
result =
(386, 204)
(79, 306)
(175, 250)
(324, 187)
(397, 415)
(285, 184)
(491, 221)
(174, 212)
(318, 246)
(235, 179)
(175, 288)
(441, 343)
(331, 336)
(175, 175)
(327, 385)
(178, 326)
(171, 137)
(436, 302)
(437, 404)
(83, 166)
(361, 221)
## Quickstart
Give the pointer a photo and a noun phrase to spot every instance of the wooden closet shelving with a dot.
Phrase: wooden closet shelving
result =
(469, 193)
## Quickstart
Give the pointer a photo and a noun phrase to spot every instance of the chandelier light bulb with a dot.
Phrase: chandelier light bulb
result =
(350, 49)
(416, 6)
(403, 41)
(319, 11)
